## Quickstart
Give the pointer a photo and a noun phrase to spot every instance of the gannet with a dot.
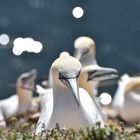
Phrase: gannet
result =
(129, 92)
(72, 106)
(91, 76)
(21, 102)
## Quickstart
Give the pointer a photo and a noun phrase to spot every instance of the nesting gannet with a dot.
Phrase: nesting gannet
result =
(21, 102)
(72, 106)
(130, 102)
(85, 50)
(91, 76)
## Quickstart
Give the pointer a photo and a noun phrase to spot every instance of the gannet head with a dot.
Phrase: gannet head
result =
(26, 80)
(97, 73)
(67, 69)
(93, 74)
(84, 46)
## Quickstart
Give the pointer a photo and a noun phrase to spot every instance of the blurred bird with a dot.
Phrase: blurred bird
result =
(85, 52)
(72, 106)
(22, 101)
(91, 76)
(128, 98)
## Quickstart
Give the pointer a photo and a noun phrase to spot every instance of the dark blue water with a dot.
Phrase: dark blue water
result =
(114, 25)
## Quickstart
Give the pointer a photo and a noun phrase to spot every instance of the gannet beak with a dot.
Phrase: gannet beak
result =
(102, 74)
(72, 85)
(33, 74)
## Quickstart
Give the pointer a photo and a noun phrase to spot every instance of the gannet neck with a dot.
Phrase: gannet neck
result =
(25, 81)
(24, 98)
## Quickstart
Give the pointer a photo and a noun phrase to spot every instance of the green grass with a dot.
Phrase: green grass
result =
(25, 131)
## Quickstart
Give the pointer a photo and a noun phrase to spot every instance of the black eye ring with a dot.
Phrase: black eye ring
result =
(61, 76)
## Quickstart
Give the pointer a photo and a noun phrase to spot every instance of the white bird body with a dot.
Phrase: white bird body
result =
(68, 110)
(46, 98)
(128, 98)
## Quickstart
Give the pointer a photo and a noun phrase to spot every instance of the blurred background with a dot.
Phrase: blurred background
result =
(53, 25)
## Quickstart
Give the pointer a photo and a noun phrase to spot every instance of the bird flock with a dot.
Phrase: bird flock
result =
(70, 96)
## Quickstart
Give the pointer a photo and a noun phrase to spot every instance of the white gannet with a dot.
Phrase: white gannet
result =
(72, 106)
(85, 50)
(129, 93)
(21, 102)
(91, 76)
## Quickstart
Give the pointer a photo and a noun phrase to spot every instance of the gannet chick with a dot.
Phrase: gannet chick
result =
(21, 102)
(85, 50)
(91, 76)
(129, 108)
(72, 106)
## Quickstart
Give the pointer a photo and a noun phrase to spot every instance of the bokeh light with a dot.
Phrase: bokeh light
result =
(26, 44)
(4, 39)
(105, 99)
(78, 12)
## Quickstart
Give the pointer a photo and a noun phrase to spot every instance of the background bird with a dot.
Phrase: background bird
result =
(128, 97)
(22, 101)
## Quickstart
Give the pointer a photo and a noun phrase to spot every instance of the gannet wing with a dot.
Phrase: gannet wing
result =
(46, 112)
(89, 108)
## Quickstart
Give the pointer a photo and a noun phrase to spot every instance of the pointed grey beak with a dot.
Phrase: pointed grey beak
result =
(33, 73)
(72, 85)
(102, 74)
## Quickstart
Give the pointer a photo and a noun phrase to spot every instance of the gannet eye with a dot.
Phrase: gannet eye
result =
(61, 76)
